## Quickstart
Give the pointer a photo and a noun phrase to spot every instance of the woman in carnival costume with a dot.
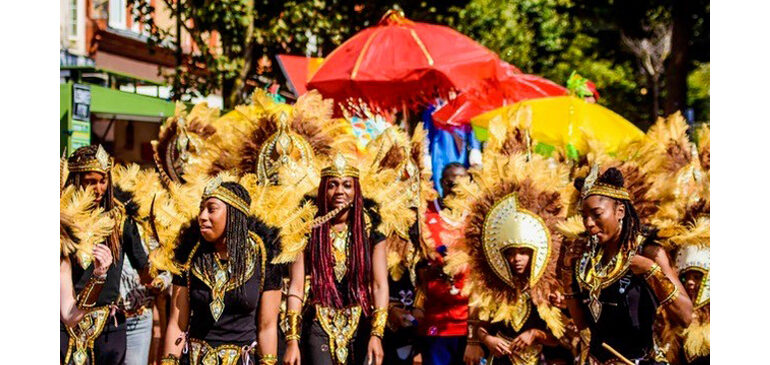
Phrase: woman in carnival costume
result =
(82, 228)
(221, 267)
(510, 250)
(256, 143)
(100, 336)
(344, 317)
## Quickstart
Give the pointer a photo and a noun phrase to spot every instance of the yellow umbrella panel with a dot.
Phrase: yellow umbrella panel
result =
(560, 121)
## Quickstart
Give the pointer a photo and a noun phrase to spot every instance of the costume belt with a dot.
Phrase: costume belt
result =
(340, 325)
(201, 353)
(84, 333)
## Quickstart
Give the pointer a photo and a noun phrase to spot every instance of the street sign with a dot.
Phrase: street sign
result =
(81, 102)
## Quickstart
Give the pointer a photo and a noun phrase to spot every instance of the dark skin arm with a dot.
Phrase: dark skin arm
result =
(680, 309)
(269, 308)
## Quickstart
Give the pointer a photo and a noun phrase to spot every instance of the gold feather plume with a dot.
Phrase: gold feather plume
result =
(83, 225)
(697, 337)
(703, 135)
(310, 118)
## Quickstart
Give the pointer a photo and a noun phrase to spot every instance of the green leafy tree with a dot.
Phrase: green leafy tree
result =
(238, 40)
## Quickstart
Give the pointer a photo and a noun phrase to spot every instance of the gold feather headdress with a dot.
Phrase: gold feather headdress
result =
(514, 200)
(182, 142)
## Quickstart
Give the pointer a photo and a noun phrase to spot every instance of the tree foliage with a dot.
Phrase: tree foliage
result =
(550, 38)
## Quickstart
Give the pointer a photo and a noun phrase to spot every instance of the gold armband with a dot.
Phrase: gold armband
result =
(89, 294)
(379, 319)
(268, 360)
(293, 319)
(169, 360)
(665, 290)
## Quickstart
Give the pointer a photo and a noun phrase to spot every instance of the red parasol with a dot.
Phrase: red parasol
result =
(400, 61)
(298, 70)
(492, 95)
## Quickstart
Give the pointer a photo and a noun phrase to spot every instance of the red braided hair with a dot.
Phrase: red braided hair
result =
(359, 275)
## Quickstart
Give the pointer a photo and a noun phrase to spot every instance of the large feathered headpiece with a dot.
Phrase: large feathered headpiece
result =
(514, 200)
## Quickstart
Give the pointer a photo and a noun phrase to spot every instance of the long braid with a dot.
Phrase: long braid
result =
(320, 258)
(359, 260)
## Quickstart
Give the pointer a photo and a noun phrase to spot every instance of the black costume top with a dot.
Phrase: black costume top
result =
(238, 321)
(629, 309)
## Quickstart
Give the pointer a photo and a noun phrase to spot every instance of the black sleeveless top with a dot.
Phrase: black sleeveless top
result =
(629, 309)
(238, 322)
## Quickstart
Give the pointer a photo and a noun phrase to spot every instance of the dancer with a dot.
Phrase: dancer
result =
(223, 271)
(100, 337)
(622, 276)
(344, 319)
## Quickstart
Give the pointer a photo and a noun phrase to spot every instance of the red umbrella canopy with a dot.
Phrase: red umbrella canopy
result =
(400, 61)
(510, 89)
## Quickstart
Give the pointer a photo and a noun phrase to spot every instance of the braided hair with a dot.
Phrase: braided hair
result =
(359, 275)
(630, 225)
(236, 237)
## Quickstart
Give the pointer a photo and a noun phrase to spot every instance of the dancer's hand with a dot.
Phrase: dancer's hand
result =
(374, 352)
(524, 340)
(557, 300)
(396, 318)
(291, 357)
(497, 346)
(102, 259)
(473, 354)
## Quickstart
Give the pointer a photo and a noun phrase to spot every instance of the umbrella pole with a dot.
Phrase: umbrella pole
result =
(405, 115)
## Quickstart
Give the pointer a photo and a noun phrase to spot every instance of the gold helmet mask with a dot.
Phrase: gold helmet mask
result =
(507, 225)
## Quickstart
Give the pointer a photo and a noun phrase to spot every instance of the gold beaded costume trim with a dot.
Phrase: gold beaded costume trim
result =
(594, 277)
(661, 285)
(83, 335)
(268, 360)
(340, 325)
(201, 353)
(340, 167)
(169, 360)
(609, 191)
(521, 311)
(293, 325)
(220, 281)
(340, 252)
(101, 162)
(90, 293)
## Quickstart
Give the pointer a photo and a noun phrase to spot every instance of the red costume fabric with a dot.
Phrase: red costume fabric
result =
(446, 310)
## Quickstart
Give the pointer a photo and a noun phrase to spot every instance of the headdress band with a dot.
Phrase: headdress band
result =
(214, 189)
(593, 187)
(99, 163)
(340, 167)
(608, 190)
